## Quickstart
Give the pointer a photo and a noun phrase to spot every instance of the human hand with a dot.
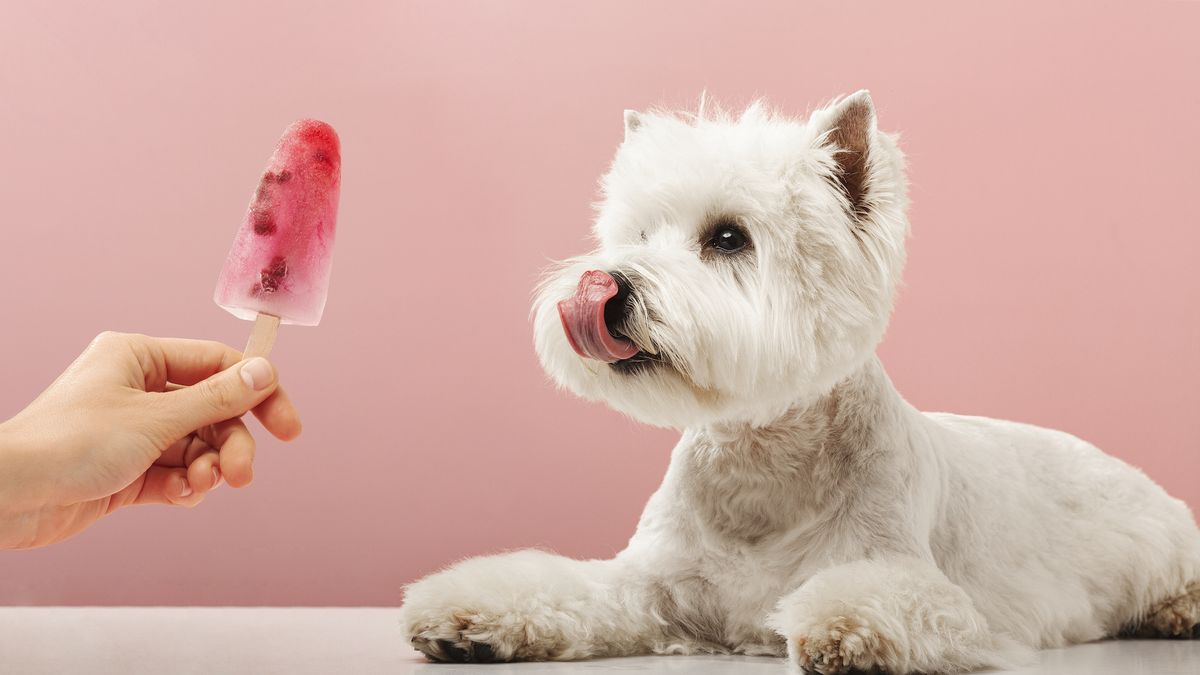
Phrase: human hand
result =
(134, 420)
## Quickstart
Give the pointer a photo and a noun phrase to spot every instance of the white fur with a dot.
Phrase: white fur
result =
(808, 510)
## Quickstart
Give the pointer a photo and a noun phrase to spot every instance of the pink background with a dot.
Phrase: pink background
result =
(1052, 274)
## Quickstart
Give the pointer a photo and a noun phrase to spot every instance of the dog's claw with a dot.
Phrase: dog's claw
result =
(482, 652)
(453, 652)
(426, 647)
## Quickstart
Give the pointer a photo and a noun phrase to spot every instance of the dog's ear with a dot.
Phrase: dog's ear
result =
(633, 121)
(847, 129)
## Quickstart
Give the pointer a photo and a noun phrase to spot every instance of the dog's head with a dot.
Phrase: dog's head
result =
(744, 264)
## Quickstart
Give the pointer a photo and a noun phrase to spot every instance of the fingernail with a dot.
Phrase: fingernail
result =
(187, 488)
(257, 373)
(216, 478)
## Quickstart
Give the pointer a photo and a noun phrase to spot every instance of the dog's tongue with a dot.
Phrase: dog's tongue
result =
(583, 320)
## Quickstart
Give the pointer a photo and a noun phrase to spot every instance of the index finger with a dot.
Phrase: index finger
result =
(183, 361)
(276, 413)
(279, 416)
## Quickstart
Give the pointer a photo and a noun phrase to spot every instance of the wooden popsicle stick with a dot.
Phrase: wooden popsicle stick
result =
(262, 336)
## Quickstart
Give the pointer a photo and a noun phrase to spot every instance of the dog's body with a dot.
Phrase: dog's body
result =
(808, 510)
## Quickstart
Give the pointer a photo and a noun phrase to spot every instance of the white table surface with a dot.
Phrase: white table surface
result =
(298, 641)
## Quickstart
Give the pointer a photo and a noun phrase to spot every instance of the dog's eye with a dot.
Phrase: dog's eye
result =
(729, 238)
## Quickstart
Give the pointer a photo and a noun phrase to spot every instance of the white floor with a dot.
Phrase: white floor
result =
(264, 641)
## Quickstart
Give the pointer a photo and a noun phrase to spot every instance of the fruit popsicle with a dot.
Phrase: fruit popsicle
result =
(278, 269)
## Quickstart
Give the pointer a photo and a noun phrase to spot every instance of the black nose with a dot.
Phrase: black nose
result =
(616, 310)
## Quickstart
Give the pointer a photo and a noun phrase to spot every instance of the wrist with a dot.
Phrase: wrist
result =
(21, 481)
(19, 499)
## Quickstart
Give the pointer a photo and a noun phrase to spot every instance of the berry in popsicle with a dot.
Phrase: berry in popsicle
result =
(278, 269)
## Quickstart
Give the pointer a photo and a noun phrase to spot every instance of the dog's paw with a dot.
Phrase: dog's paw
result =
(1177, 617)
(518, 633)
(460, 640)
(445, 651)
(522, 606)
(839, 645)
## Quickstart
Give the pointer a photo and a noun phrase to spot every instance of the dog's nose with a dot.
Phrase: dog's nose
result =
(616, 310)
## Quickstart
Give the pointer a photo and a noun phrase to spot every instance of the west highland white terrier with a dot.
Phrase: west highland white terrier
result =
(744, 276)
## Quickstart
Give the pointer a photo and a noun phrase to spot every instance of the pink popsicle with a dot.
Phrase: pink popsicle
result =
(280, 261)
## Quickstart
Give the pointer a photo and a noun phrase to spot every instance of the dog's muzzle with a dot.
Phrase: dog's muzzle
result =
(589, 315)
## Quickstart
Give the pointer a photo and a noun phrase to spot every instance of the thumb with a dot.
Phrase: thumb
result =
(228, 394)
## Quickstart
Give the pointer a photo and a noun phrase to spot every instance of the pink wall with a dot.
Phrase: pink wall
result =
(1052, 273)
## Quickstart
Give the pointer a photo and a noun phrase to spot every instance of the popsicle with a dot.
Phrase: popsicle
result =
(278, 268)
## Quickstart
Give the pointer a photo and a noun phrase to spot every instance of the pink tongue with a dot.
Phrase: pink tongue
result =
(583, 320)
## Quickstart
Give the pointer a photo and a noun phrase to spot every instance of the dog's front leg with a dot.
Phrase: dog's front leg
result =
(898, 615)
(526, 606)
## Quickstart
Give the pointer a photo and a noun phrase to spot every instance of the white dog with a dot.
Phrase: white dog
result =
(743, 278)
